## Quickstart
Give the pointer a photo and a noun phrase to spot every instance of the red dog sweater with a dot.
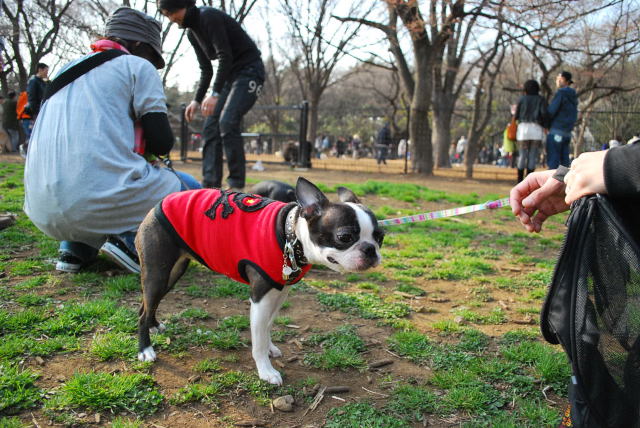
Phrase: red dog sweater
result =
(226, 231)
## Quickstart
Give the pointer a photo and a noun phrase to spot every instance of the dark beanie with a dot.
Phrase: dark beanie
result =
(173, 5)
(130, 24)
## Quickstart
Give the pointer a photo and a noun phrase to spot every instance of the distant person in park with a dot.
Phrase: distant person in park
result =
(214, 35)
(35, 91)
(84, 184)
(5, 141)
(563, 113)
(10, 119)
(383, 141)
(616, 142)
(461, 148)
(532, 116)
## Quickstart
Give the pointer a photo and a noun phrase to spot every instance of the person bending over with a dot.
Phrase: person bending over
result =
(214, 35)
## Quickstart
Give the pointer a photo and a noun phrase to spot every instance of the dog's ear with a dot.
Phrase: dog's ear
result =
(347, 195)
(311, 200)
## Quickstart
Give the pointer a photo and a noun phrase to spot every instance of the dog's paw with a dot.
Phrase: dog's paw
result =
(274, 351)
(159, 329)
(147, 354)
(270, 375)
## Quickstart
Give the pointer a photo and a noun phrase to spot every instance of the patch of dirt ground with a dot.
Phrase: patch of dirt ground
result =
(172, 373)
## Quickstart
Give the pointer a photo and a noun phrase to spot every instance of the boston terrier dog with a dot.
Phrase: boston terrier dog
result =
(264, 243)
(276, 190)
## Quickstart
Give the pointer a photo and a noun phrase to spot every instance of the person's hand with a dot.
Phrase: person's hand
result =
(208, 105)
(586, 176)
(537, 198)
(191, 110)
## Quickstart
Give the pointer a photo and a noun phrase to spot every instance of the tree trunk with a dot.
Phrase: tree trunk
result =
(419, 124)
(442, 114)
(312, 131)
(420, 136)
(471, 152)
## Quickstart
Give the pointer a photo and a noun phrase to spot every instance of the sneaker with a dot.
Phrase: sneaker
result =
(69, 263)
(22, 151)
(121, 254)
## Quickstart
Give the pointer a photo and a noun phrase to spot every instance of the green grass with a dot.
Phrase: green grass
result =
(496, 316)
(479, 380)
(208, 365)
(120, 422)
(18, 390)
(361, 415)
(12, 422)
(227, 384)
(546, 363)
(102, 392)
(412, 402)
(411, 344)
(222, 287)
(341, 349)
(113, 345)
(364, 305)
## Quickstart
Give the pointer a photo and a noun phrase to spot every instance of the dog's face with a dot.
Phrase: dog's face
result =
(342, 236)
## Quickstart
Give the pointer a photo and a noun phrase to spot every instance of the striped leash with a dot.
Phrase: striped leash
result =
(451, 212)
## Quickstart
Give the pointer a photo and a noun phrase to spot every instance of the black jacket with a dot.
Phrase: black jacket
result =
(35, 92)
(215, 35)
(533, 108)
(622, 180)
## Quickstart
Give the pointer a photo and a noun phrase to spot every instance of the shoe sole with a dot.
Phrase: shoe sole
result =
(120, 258)
(68, 267)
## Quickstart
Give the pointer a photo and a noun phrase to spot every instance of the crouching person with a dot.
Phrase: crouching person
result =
(87, 182)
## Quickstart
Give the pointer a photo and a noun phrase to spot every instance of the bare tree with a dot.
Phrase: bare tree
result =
(428, 37)
(35, 28)
(490, 64)
(449, 78)
(316, 49)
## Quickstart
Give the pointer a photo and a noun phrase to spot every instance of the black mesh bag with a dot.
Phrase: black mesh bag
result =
(593, 310)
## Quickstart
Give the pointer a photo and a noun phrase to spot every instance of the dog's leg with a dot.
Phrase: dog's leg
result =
(274, 351)
(262, 313)
(160, 267)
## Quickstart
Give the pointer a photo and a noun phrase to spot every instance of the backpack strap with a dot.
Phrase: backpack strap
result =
(78, 70)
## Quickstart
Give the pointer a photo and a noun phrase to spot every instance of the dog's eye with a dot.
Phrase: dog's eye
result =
(345, 237)
(379, 237)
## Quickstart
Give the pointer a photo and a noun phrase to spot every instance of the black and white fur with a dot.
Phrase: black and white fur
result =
(276, 190)
(343, 236)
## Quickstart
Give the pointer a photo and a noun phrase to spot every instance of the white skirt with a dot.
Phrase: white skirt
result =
(529, 131)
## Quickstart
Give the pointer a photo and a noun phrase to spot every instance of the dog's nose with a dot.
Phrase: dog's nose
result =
(369, 250)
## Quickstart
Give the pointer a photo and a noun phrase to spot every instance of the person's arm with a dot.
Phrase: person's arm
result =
(157, 133)
(556, 102)
(517, 114)
(206, 69)
(544, 113)
(216, 27)
(32, 88)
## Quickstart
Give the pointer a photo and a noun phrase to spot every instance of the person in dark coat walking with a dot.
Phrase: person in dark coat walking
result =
(383, 141)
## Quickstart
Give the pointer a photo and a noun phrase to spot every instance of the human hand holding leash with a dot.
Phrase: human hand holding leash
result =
(586, 176)
(536, 198)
